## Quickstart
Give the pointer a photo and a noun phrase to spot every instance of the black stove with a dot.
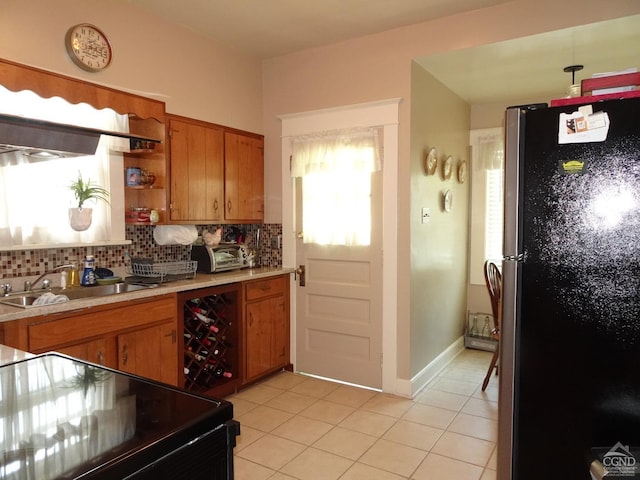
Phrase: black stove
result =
(61, 418)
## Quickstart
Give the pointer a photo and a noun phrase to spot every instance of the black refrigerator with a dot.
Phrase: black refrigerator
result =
(569, 402)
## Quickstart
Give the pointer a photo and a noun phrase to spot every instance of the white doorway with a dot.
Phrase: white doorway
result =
(327, 267)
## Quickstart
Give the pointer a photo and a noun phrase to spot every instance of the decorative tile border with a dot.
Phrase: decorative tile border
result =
(34, 262)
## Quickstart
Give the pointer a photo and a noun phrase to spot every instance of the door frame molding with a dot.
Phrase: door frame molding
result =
(383, 114)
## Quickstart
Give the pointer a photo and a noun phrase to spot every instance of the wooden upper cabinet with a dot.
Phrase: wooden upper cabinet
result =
(217, 175)
(244, 177)
(197, 171)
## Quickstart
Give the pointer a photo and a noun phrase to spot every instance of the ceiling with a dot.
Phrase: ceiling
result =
(531, 68)
(269, 28)
(512, 71)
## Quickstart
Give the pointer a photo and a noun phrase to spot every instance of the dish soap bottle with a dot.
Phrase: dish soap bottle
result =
(88, 276)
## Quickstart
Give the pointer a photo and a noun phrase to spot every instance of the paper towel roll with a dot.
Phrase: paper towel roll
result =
(175, 234)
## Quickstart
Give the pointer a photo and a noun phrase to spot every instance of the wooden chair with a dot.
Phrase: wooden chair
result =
(493, 279)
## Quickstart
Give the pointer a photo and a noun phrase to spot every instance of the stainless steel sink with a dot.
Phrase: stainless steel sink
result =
(25, 300)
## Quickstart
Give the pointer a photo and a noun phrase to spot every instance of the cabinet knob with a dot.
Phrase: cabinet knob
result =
(173, 336)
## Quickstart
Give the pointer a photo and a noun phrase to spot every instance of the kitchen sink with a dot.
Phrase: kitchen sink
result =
(26, 299)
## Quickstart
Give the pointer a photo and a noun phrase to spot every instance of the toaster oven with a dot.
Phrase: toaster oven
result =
(219, 258)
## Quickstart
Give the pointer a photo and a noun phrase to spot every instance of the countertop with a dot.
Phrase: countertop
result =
(10, 354)
(201, 280)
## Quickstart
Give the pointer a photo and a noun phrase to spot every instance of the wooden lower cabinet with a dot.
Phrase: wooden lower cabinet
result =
(150, 352)
(266, 327)
(161, 337)
(94, 351)
(138, 337)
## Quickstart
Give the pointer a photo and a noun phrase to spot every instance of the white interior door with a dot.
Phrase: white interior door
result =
(384, 113)
(339, 307)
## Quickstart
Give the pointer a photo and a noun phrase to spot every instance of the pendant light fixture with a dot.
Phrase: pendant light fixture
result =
(574, 89)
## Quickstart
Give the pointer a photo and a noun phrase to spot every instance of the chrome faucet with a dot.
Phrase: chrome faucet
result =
(5, 289)
(28, 286)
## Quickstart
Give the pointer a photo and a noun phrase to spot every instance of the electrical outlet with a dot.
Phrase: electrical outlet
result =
(276, 242)
(426, 215)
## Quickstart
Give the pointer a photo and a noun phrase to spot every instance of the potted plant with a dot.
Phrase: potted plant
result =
(80, 217)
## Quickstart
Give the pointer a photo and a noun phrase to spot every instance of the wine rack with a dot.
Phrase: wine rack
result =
(210, 340)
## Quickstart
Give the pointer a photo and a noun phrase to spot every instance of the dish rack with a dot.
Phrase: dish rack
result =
(163, 271)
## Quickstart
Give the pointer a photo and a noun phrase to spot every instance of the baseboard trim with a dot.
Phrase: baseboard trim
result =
(420, 380)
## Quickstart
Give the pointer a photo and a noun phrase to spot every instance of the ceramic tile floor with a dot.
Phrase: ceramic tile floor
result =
(298, 427)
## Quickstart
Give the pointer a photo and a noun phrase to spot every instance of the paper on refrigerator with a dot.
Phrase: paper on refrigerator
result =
(583, 126)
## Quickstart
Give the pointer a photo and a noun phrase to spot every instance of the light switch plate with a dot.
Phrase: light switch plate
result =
(426, 215)
(276, 241)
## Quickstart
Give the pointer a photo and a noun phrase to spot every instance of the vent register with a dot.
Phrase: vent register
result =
(39, 140)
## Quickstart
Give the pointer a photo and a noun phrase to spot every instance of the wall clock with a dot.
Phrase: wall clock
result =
(88, 47)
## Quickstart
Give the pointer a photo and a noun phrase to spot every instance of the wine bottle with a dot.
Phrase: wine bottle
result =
(203, 339)
(207, 321)
(196, 356)
(221, 372)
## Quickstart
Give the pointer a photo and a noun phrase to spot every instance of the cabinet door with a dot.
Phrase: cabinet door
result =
(266, 336)
(197, 171)
(150, 352)
(243, 177)
(94, 351)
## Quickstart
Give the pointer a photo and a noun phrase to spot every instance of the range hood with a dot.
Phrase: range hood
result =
(44, 140)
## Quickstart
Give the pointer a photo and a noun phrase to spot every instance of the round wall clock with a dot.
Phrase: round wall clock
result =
(88, 47)
(431, 162)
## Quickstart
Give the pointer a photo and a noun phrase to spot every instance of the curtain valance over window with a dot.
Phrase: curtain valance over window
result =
(347, 151)
(491, 151)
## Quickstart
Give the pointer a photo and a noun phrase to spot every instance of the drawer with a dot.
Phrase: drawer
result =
(257, 289)
(62, 330)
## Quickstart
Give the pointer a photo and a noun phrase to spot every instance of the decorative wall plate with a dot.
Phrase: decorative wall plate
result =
(431, 161)
(448, 200)
(462, 171)
(447, 168)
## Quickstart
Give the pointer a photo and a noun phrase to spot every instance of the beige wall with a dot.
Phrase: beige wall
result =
(193, 75)
(438, 275)
(378, 67)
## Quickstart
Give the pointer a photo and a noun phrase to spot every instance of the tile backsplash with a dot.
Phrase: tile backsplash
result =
(34, 262)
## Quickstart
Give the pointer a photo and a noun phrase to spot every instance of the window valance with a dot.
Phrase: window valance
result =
(17, 77)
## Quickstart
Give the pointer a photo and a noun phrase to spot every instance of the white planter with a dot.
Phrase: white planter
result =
(80, 218)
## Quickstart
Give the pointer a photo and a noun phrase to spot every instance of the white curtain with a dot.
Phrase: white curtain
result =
(35, 196)
(490, 151)
(336, 168)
